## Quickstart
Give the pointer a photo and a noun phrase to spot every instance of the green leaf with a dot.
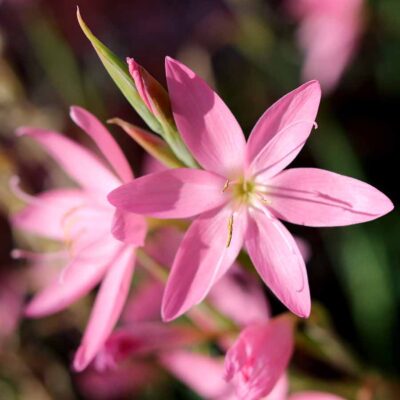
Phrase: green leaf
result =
(119, 72)
(120, 75)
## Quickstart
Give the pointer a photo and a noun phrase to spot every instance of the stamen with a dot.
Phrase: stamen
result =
(31, 255)
(225, 186)
(263, 199)
(230, 231)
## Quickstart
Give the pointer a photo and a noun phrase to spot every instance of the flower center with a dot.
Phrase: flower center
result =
(243, 191)
(246, 192)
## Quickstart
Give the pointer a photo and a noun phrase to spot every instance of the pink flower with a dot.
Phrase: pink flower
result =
(203, 374)
(259, 357)
(141, 339)
(328, 34)
(116, 384)
(242, 192)
(254, 365)
(88, 226)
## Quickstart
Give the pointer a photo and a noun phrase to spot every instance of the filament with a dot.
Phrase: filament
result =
(230, 231)
(31, 255)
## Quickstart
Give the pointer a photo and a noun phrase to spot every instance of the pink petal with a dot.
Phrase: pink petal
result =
(259, 357)
(104, 141)
(145, 338)
(203, 257)
(322, 38)
(145, 303)
(129, 228)
(122, 383)
(203, 374)
(314, 396)
(281, 132)
(315, 197)
(151, 165)
(82, 165)
(206, 124)
(280, 390)
(304, 247)
(277, 259)
(79, 278)
(329, 33)
(107, 308)
(178, 193)
(46, 214)
(163, 244)
(239, 296)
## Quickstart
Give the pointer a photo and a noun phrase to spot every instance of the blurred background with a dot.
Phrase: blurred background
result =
(252, 52)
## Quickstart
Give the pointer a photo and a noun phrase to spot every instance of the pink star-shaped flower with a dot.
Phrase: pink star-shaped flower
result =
(99, 241)
(242, 193)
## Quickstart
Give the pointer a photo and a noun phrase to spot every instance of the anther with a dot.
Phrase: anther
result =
(230, 230)
(263, 199)
(225, 186)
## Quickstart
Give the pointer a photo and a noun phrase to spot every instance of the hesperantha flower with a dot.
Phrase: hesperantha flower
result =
(254, 367)
(243, 192)
(202, 373)
(98, 241)
(259, 357)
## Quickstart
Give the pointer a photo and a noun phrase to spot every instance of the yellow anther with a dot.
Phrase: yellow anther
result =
(225, 186)
(264, 200)
(230, 230)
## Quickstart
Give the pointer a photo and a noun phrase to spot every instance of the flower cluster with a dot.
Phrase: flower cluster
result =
(235, 195)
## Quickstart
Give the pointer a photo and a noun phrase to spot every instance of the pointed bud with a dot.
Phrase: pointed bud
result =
(151, 91)
(156, 99)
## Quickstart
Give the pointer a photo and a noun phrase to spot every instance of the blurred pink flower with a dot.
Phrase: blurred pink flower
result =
(115, 384)
(329, 33)
(142, 338)
(203, 374)
(254, 365)
(88, 226)
(259, 357)
(242, 192)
